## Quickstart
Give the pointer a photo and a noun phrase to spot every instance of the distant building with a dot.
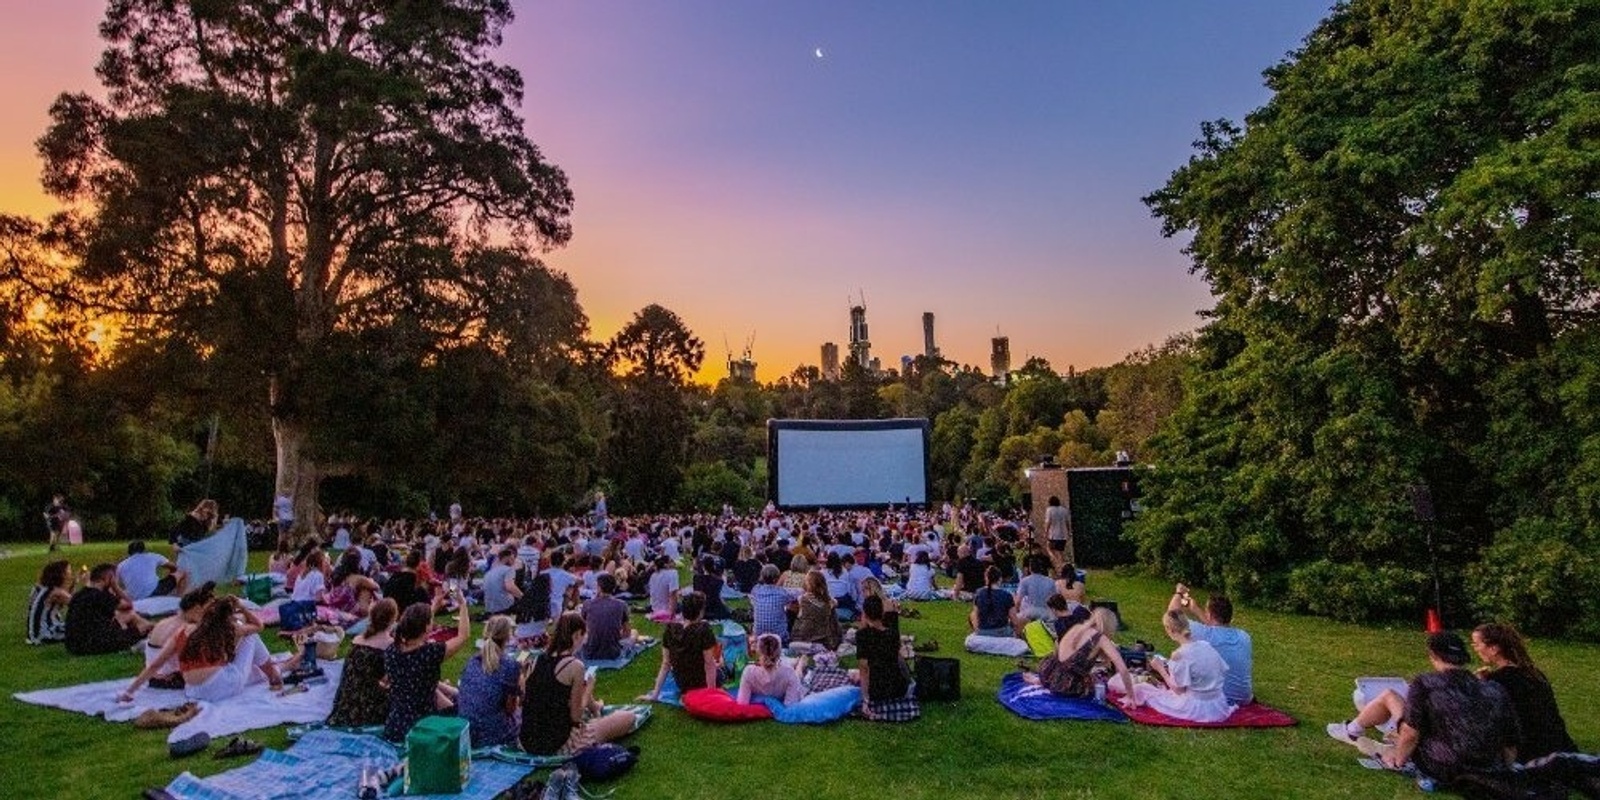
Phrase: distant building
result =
(929, 349)
(742, 369)
(1000, 357)
(905, 364)
(860, 344)
(830, 361)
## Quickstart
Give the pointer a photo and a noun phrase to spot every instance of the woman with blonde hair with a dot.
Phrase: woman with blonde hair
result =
(1070, 670)
(794, 581)
(490, 697)
(1191, 678)
(768, 676)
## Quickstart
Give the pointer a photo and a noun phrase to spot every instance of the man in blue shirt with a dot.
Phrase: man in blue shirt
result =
(1213, 624)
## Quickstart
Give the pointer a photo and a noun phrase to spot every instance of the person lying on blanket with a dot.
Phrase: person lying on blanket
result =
(1191, 681)
(1452, 724)
(1071, 671)
(219, 658)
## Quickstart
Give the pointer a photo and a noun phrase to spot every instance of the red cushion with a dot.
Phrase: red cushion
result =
(717, 705)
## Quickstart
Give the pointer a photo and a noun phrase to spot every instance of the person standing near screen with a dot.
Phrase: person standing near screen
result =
(1058, 530)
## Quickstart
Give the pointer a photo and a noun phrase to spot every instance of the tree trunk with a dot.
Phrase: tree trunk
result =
(298, 474)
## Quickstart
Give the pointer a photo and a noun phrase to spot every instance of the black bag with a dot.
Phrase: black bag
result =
(938, 678)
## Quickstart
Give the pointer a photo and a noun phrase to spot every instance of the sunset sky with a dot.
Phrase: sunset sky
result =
(982, 161)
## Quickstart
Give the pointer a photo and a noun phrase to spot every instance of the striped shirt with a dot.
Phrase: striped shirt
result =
(46, 622)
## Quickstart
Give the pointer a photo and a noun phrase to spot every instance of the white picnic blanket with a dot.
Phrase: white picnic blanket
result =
(255, 707)
(167, 604)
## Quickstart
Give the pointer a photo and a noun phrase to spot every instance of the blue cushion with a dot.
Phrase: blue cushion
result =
(817, 707)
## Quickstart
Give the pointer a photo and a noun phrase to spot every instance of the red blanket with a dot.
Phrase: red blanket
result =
(1254, 715)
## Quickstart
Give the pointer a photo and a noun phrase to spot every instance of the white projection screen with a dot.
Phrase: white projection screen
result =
(848, 463)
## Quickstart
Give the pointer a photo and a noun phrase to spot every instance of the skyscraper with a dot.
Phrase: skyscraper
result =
(860, 345)
(1000, 357)
(929, 349)
(830, 361)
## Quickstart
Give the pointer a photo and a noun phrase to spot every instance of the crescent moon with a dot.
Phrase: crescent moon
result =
(819, 52)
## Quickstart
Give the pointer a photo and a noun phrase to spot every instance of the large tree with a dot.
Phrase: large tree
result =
(265, 176)
(657, 354)
(1412, 220)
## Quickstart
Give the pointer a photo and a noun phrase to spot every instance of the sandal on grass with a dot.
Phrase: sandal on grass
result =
(930, 646)
(238, 746)
(190, 745)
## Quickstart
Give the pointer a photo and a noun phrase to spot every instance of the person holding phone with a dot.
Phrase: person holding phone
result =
(560, 713)
(412, 665)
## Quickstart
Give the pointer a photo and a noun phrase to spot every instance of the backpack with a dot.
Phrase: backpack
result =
(535, 603)
(602, 762)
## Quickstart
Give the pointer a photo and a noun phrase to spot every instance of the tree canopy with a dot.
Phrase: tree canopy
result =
(268, 177)
(1402, 244)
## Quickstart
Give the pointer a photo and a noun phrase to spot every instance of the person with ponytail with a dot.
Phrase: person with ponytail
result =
(412, 665)
(768, 676)
(1506, 662)
(490, 698)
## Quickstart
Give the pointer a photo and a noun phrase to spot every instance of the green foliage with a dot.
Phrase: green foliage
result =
(1540, 577)
(1400, 242)
(707, 486)
(1353, 591)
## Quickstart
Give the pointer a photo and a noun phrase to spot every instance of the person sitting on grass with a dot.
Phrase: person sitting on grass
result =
(363, 695)
(1191, 680)
(140, 574)
(663, 588)
(769, 605)
(48, 602)
(1451, 724)
(191, 609)
(688, 650)
(992, 608)
(708, 581)
(884, 676)
(768, 676)
(606, 619)
(1506, 662)
(1034, 591)
(560, 714)
(1213, 624)
(794, 580)
(1071, 670)
(221, 657)
(490, 692)
(411, 666)
(100, 618)
(816, 622)
(920, 582)
(350, 590)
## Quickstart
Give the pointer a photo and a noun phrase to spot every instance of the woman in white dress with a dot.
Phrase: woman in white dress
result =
(1192, 678)
(919, 580)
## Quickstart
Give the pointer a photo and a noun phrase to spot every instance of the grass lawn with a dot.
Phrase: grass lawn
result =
(970, 749)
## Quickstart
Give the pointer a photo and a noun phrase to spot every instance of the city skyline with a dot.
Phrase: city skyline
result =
(755, 169)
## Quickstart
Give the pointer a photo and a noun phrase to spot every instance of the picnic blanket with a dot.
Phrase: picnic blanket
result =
(167, 604)
(219, 557)
(254, 707)
(328, 763)
(1252, 715)
(1038, 703)
(1009, 646)
(627, 657)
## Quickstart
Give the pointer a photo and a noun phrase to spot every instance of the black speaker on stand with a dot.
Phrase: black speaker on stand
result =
(1422, 506)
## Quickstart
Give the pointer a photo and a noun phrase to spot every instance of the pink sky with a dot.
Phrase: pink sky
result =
(979, 162)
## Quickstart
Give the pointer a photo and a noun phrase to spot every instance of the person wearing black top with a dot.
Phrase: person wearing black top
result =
(1507, 663)
(195, 525)
(884, 676)
(100, 619)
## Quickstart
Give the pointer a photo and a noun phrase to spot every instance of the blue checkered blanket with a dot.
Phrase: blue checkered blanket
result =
(328, 763)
